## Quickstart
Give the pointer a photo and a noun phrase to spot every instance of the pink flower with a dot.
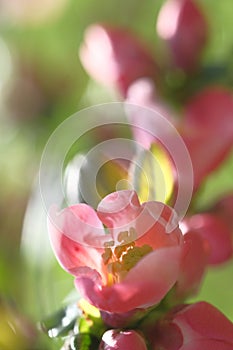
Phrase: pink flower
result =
(131, 266)
(192, 327)
(122, 340)
(214, 231)
(182, 25)
(115, 57)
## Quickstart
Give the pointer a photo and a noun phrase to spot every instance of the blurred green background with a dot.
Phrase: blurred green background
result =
(42, 82)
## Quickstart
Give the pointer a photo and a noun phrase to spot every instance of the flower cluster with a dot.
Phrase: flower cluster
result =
(135, 262)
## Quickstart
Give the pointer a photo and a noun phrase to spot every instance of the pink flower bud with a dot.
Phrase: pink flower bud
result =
(182, 24)
(122, 340)
(115, 57)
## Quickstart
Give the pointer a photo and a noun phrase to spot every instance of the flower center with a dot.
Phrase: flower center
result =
(121, 259)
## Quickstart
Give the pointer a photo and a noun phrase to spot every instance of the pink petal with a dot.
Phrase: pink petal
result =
(206, 344)
(118, 206)
(75, 234)
(79, 222)
(159, 224)
(72, 255)
(208, 322)
(119, 210)
(193, 264)
(155, 223)
(185, 34)
(158, 271)
(192, 327)
(215, 231)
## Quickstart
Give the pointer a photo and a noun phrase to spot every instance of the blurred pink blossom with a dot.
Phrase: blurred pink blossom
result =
(183, 26)
(115, 57)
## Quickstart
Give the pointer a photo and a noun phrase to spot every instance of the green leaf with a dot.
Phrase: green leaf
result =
(91, 322)
(63, 321)
(82, 341)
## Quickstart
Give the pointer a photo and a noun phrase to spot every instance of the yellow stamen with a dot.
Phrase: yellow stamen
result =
(121, 249)
(114, 267)
(132, 234)
(127, 236)
(106, 256)
(121, 259)
(122, 236)
(134, 255)
(108, 244)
